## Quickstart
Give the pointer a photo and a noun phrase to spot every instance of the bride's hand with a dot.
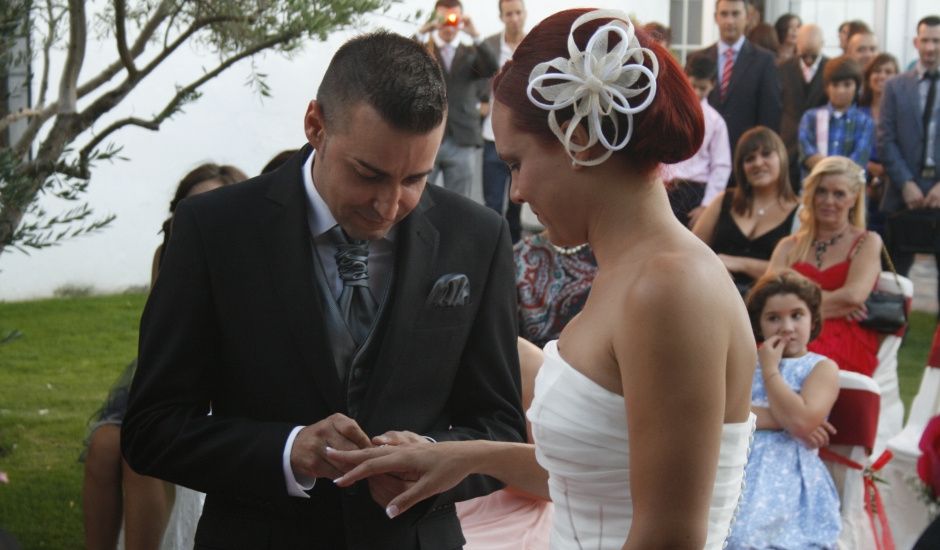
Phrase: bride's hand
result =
(435, 468)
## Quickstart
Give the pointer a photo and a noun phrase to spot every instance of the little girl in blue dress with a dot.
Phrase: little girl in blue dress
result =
(789, 499)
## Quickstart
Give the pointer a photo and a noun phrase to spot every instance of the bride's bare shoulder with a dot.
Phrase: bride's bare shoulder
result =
(679, 279)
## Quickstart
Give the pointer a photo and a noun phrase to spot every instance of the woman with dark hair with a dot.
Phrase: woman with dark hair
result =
(641, 404)
(744, 224)
(786, 27)
(112, 493)
(882, 68)
(765, 36)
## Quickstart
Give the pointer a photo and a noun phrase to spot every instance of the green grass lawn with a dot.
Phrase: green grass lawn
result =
(53, 378)
(58, 372)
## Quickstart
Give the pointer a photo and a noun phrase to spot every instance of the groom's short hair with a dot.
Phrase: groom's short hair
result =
(395, 75)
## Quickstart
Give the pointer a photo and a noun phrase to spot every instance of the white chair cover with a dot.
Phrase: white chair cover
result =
(891, 419)
(856, 529)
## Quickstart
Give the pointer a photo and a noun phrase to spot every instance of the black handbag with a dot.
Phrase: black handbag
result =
(914, 231)
(887, 311)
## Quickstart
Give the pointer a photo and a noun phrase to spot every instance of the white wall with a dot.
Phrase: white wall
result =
(229, 124)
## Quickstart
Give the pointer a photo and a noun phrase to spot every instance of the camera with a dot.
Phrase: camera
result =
(451, 20)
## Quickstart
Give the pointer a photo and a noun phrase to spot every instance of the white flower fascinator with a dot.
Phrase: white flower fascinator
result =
(597, 84)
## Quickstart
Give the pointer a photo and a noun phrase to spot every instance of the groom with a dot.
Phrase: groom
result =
(336, 302)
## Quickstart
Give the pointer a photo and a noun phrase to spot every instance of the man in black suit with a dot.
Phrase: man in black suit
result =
(748, 92)
(464, 65)
(335, 302)
(801, 83)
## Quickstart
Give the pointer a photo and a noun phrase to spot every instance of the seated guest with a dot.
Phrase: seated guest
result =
(552, 284)
(789, 500)
(839, 127)
(833, 248)
(883, 67)
(787, 27)
(744, 224)
(695, 182)
(510, 519)
(113, 493)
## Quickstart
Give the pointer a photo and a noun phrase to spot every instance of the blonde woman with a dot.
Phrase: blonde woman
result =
(834, 249)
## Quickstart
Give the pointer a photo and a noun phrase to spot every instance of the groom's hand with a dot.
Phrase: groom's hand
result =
(308, 454)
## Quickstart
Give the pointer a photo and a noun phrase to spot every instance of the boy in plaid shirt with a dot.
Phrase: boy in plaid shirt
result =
(839, 127)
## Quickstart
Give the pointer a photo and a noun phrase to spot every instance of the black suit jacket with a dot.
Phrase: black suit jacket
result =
(471, 65)
(798, 97)
(753, 96)
(234, 324)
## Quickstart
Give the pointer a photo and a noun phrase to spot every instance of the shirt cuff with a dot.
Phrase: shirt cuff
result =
(297, 486)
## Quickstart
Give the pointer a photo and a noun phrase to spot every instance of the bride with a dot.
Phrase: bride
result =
(641, 417)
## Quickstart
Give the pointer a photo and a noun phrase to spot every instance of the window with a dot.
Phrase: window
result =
(685, 20)
(14, 75)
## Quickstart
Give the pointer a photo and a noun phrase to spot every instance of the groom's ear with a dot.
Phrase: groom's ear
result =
(315, 124)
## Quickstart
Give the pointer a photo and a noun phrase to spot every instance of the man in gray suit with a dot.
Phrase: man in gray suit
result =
(463, 66)
(908, 140)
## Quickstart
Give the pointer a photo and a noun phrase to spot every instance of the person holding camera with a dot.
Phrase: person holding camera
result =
(463, 64)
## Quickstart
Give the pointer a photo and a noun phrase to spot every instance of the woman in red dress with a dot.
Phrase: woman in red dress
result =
(834, 249)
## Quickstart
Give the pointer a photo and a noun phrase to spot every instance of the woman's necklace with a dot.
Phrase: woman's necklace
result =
(822, 246)
(763, 210)
(568, 250)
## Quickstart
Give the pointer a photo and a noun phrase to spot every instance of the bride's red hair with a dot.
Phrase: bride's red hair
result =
(670, 130)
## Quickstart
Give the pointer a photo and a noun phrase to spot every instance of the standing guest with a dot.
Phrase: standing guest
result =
(495, 173)
(661, 34)
(336, 302)
(847, 29)
(112, 493)
(908, 140)
(755, 14)
(839, 127)
(862, 47)
(882, 68)
(463, 66)
(879, 71)
(787, 27)
(765, 36)
(748, 91)
(789, 501)
(744, 224)
(833, 248)
(801, 81)
(695, 182)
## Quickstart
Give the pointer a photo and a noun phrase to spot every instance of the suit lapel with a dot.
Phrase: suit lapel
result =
(286, 236)
(415, 258)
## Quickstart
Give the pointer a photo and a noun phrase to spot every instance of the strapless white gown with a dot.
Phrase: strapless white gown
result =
(580, 431)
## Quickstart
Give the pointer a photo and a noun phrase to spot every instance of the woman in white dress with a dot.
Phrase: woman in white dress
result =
(641, 416)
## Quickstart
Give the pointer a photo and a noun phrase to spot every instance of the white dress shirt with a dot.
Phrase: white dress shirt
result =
(505, 54)
(722, 48)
